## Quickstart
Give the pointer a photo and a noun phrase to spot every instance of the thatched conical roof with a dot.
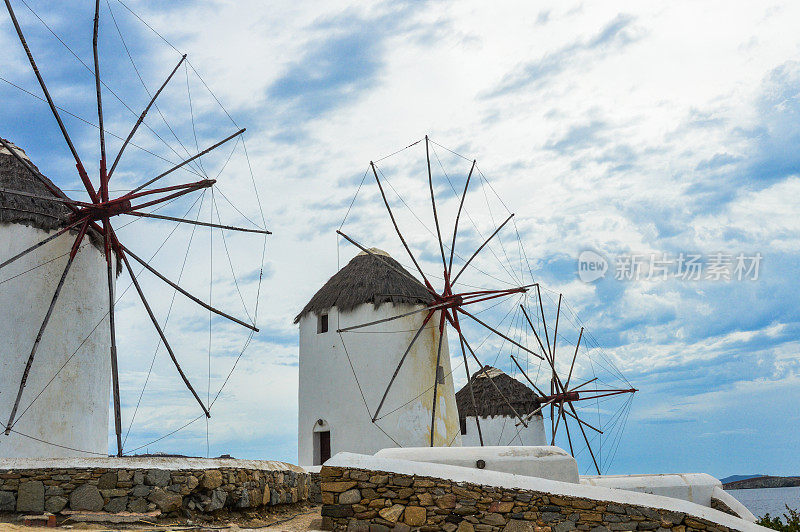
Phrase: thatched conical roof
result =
(489, 402)
(34, 212)
(368, 279)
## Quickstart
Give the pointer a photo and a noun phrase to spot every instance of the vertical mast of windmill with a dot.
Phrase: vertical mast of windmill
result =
(107, 233)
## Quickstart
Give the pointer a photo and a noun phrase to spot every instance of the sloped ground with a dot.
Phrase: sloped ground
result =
(299, 518)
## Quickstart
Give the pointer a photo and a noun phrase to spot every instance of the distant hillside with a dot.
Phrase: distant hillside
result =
(735, 478)
(762, 482)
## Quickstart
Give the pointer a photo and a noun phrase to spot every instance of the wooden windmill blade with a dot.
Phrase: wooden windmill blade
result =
(94, 220)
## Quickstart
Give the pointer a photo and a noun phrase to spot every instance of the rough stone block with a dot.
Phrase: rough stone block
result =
(338, 487)
(140, 490)
(8, 502)
(405, 493)
(116, 505)
(415, 516)
(212, 479)
(516, 525)
(502, 507)
(494, 519)
(392, 513)
(465, 526)
(337, 510)
(112, 493)
(86, 497)
(358, 526)
(425, 499)
(107, 481)
(30, 496)
(446, 501)
(350, 497)
(217, 500)
(55, 504)
(157, 477)
(137, 505)
(550, 517)
(166, 501)
(564, 526)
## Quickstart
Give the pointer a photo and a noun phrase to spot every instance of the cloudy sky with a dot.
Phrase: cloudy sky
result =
(640, 133)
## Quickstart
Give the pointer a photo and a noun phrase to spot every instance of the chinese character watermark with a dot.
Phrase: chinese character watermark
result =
(717, 266)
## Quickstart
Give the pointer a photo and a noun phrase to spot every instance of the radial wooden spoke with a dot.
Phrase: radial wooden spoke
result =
(498, 333)
(382, 259)
(544, 323)
(188, 190)
(96, 31)
(572, 365)
(187, 161)
(458, 216)
(607, 393)
(81, 171)
(384, 320)
(197, 222)
(486, 374)
(42, 328)
(45, 198)
(527, 378)
(113, 333)
(584, 384)
(528, 319)
(464, 267)
(433, 204)
(555, 334)
(471, 392)
(588, 445)
(582, 422)
(396, 228)
(400, 364)
(42, 243)
(566, 427)
(203, 183)
(161, 332)
(187, 294)
(555, 428)
(436, 374)
(141, 117)
(538, 409)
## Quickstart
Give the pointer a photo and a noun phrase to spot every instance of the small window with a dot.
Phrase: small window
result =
(440, 374)
(322, 324)
(463, 422)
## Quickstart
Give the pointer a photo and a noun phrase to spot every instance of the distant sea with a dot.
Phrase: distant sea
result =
(769, 500)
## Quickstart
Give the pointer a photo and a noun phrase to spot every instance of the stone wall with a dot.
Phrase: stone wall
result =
(314, 490)
(145, 490)
(358, 500)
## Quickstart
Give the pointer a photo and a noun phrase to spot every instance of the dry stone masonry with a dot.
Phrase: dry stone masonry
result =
(357, 500)
(146, 490)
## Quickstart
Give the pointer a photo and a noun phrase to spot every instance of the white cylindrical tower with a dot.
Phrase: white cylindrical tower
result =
(344, 376)
(499, 425)
(64, 407)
